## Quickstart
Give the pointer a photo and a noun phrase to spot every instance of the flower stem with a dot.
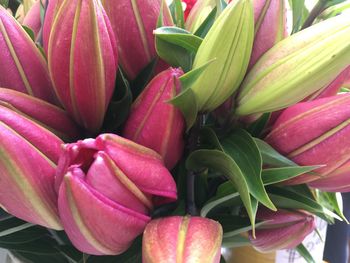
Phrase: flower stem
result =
(315, 12)
(193, 143)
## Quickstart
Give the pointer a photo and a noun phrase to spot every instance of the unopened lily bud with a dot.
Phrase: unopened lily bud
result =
(270, 26)
(23, 67)
(312, 133)
(33, 18)
(155, 123)
(198, 14)
(47, 115)
(182, 239)
(133, 23)
(283, 229)
(107, 188)
(230, 49)
(296, 67)
(23, 9)
(82, 59)
(28, 158)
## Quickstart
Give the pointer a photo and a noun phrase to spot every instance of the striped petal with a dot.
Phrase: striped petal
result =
(22, 67)
(83, 61)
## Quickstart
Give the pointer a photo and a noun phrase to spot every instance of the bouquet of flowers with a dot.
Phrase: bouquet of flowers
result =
(153, 131)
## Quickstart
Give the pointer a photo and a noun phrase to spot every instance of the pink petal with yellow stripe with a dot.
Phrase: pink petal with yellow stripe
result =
(48, 115)
(133, 22)
(83, 60)
(22, 67)
(28, 157)
(182, 239)
(312, 133)
(155, 123)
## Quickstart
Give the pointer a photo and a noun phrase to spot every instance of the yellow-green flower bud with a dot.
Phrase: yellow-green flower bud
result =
(296, 67)
(229, 42)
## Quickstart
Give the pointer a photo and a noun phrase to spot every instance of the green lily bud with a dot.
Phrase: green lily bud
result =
(229, 42)
(296, 67)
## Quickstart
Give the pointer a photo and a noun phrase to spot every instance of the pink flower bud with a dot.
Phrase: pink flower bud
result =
(312, 133)
(270, 26)
(83, 61)
(133, 23)
(28, 157)
(33, 19)
(182, 239)
(154, 122)
(45, 114)
(283, 229)
(107, 187)
(22, 67)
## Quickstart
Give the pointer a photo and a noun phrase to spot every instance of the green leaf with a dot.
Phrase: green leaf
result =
(233, 225)
(302, 250)
(220, 161)
(257, 127)
(334, 202)
(335, 10)
(285, 198)
(179, 37)
(142, 79)
(235, 241)
(190, 77)
(186, 101)
(179, 14)
(241, 147)
(208, 138)
(4, 3)
(225, 196)
(277, 175)
(119, 107)
(29, 32)
(300, 14)
(174, 55)
(203, 29)
(271, 157)
(220, 5)
(330, 3)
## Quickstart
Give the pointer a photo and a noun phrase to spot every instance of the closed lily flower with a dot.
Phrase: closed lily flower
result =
(133, 23)
(28, 159)
(23, 67)
(312, 133)
(33, 18)
(155, 123)
(107, 188)
(230, 52)
(82, 59)
(182, 239)
(283, 229)
(270, 26)
(45, 114)
(296, 67)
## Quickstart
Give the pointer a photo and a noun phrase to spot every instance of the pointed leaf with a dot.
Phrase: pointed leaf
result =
(241, 147)
(277, 175)
(179, 37)
(270, 156)
(187, 104)
(206, 24)
(219, 161)
(304, 252)
(179, 14)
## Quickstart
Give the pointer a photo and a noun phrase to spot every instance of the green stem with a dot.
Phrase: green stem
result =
(315, 12)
